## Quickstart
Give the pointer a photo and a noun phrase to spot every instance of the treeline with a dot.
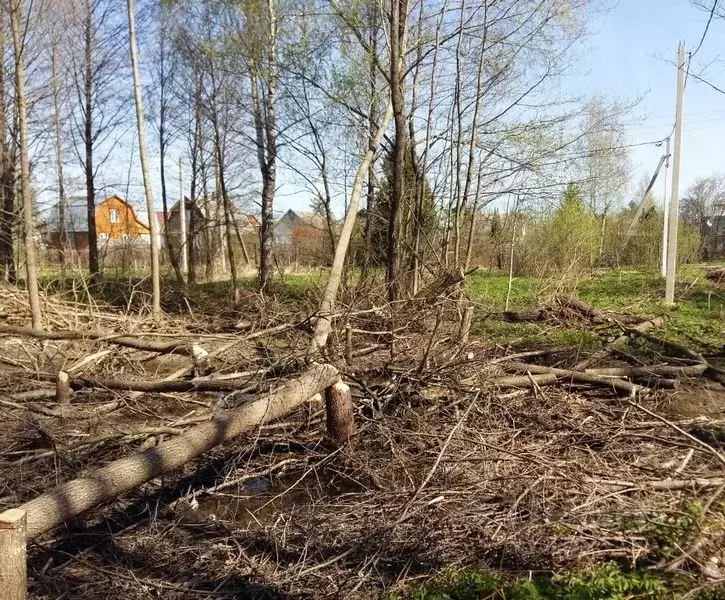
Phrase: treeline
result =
(413, 117)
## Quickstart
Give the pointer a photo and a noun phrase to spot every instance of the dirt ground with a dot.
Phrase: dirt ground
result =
(449, 469)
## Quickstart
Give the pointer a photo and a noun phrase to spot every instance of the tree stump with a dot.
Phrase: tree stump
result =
(13, 559)
(465, 328)
(62, 388)
(340, 415)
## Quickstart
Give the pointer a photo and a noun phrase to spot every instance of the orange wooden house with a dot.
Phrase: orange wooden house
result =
(116, 221)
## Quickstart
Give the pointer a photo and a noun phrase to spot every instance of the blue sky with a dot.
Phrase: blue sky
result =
(629, 56)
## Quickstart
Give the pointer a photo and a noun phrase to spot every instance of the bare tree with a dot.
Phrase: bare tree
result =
(31, 270)
(262, 65)
(63, 239)
(7, 179)
(96, 56)
(398, 35)
(153, 223)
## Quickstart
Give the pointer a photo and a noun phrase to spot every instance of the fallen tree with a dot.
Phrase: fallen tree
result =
(74, 497)
(617, 385)
(161, 347)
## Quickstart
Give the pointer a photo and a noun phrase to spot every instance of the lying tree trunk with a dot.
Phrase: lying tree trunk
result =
(644, 372)
(617, 385)
(579, 307)
(174, 385)
(74, 497)
(129, 342)
(524, 381)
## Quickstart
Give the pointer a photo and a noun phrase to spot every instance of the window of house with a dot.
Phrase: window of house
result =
(113, 215)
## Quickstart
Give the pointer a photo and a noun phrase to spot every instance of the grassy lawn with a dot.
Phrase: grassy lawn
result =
(697, 319)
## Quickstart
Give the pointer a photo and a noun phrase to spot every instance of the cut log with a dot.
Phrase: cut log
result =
(161, 386)
(160, 347)
(13, 559)
(340, 414)
(76, 496)
(524, 381)
(616, 385)
(41, 394)
(645, 372)
(579, 307)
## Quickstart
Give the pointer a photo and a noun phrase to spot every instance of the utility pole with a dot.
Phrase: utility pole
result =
(182, 221)
(674, 208)
(665, 210)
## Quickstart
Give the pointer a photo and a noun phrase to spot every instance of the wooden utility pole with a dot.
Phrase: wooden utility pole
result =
(153, 224)
(665, 211)
(674, 207)
(31, 269)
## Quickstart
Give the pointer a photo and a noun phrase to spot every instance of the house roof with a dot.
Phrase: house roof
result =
(76, 218)
(304, 218)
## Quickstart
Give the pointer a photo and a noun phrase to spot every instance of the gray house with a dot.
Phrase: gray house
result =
(293, 226)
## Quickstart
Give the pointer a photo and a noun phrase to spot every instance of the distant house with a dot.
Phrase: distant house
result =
(116, 221)
(295, 227)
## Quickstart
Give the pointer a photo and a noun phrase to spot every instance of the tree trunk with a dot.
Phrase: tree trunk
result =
(265, 122)
(373, 25)
(173, 257)
(163, 143)
(93, 265)
(227, 210)
(153, 223)
(195, 152)
(323, 325)
(398, 27)
(62, 201)
(74, 497)
(340, 413)
(31, 270)
(7, 189)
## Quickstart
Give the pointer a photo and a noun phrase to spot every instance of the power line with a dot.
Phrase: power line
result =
(707, 27)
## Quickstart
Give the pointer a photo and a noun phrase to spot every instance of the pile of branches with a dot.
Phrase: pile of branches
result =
(467, 455)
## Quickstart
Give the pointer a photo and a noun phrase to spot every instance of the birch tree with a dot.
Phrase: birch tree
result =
(153, 223)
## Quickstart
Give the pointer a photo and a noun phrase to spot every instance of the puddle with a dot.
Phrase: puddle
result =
(260, 501)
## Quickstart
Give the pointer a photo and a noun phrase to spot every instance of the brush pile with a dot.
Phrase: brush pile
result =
(468, 455)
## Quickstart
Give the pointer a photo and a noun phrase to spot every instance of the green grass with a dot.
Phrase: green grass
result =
(606, 582)
(697, 319)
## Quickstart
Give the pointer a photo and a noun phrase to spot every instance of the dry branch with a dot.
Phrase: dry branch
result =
(74, 497)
